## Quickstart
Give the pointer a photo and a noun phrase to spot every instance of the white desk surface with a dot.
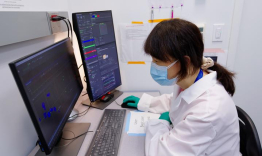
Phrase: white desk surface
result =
(129, 145)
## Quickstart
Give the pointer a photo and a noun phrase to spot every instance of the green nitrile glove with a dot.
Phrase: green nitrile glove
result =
(133, 101)
(165, 116)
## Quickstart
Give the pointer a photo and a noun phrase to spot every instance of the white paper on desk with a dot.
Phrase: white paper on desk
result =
(138, 121)
(132, 38)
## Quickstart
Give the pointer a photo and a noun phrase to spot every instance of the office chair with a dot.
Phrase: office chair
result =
(249, 139)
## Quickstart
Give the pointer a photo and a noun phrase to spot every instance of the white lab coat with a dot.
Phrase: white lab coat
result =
(204, 117)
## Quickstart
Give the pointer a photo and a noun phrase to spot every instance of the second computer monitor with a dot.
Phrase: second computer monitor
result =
(96, 39)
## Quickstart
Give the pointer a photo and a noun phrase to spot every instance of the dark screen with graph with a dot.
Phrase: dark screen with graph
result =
(51, 85)
(96, 38)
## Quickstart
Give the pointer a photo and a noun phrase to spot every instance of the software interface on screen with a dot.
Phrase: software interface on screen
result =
(99, 50)
(51, 87)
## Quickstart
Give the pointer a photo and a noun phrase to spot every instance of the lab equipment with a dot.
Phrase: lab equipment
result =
(107, 137)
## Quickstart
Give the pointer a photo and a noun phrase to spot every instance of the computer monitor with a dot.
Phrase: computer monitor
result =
(49, 83)
(97, 44)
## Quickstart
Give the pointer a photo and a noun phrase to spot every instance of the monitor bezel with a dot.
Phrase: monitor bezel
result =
(12, 65)
(76, 30)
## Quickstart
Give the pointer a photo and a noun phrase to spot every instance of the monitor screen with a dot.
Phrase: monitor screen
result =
(96, 39)
(50, 85)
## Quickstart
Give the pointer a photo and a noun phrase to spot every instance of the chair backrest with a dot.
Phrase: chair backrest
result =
(249, 139)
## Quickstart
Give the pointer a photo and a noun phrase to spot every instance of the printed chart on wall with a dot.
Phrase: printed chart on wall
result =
(132, 38)
(12, 4)
(32, 5)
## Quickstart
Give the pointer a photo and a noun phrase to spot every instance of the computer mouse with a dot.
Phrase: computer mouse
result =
(124, 104)
(106, 98)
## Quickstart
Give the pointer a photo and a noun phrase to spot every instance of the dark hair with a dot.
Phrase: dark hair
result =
(177, 38)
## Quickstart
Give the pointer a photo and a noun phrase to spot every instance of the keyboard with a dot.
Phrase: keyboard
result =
(107, 137)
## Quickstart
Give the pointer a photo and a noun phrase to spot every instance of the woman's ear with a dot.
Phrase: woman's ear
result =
(188, 60)
(190, 69)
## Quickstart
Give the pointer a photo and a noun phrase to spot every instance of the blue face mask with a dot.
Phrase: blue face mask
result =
(159, 74)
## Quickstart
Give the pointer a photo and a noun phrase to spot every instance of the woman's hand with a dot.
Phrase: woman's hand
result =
(165, 116)
(132, 101)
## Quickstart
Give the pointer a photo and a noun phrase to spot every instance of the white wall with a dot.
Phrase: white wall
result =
(234, 33)
(137, 77)
(248, 63)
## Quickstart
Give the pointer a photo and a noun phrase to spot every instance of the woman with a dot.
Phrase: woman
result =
(203, 119)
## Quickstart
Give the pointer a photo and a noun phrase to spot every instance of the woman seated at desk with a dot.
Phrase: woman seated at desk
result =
(203, 119)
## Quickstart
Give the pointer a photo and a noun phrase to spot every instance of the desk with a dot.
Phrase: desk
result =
(129, 145)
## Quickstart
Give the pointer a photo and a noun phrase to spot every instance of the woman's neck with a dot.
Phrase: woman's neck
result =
(189, 80)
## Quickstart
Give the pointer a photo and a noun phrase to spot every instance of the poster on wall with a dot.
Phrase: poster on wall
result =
(132, 38)
(33, 5)
(12, 4)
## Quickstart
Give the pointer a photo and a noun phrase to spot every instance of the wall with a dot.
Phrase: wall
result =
(137, 77)
(248, 62)
(17, 132)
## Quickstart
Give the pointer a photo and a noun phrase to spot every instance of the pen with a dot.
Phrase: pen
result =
(172, 12)
(181, 9)
(152, 13)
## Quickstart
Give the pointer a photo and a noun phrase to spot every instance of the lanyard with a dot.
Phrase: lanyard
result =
(199, 76)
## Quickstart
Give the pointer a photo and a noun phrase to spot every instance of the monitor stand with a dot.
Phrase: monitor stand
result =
(101, 104)
(69, 147)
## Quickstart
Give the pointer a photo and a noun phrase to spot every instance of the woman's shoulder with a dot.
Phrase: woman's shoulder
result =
(214, 104)
(220, 108)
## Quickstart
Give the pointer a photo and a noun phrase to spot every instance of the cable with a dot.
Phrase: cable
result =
(85, 113)
(80, 66)
(77, 115)
(84, 94)
(71, 30)
(64, 145)
(76, 136)
(81, 114)
(59, 18)
(67, 27)
(67, 143)
(71, 138)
